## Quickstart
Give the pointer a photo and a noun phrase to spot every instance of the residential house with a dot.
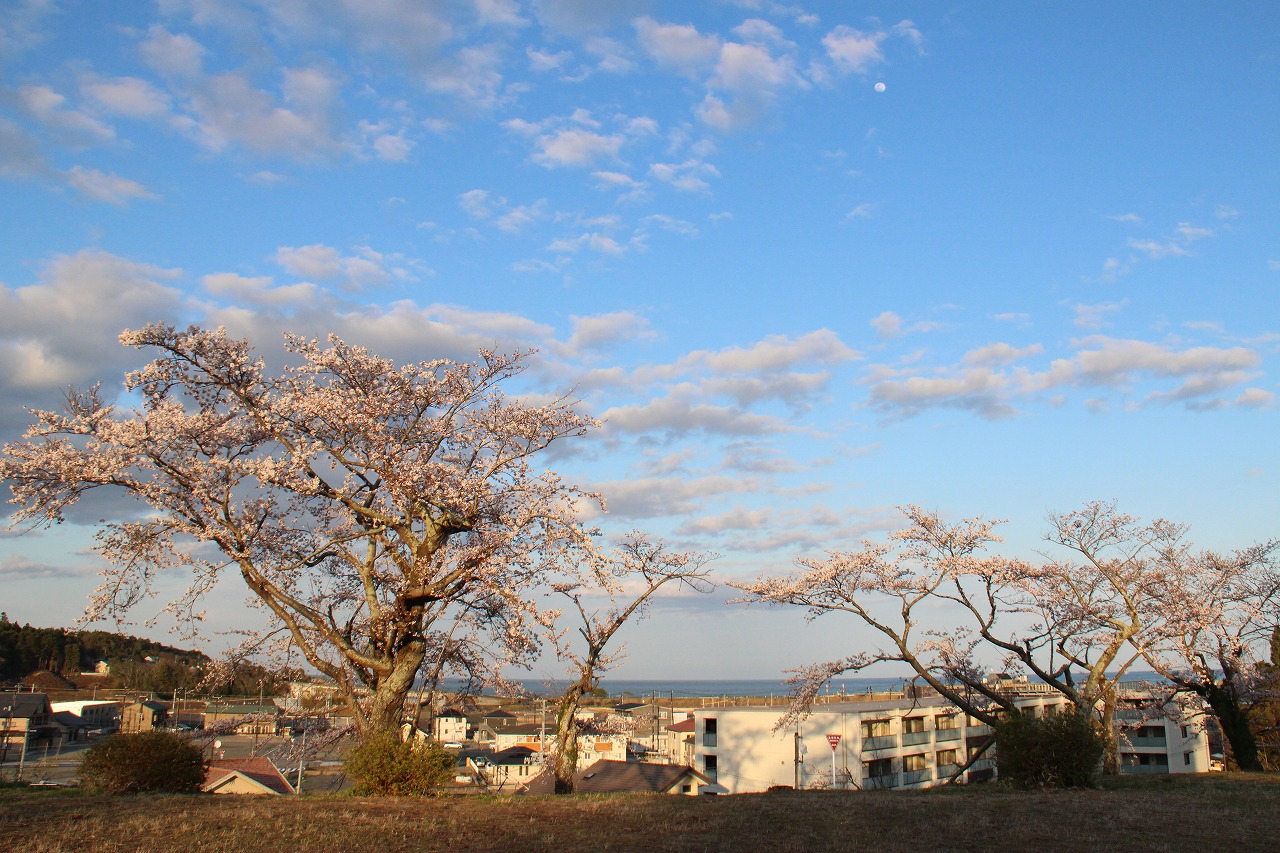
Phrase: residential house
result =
(450, 726)
(143, 717)
(484, 726)
(677, 744)
(591, 747)
(24, 718)
(506, 768)
(245, 776)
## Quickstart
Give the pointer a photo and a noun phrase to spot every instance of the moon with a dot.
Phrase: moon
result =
(880, 87)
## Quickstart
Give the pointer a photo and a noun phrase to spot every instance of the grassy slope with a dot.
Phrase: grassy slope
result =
(1219, 812)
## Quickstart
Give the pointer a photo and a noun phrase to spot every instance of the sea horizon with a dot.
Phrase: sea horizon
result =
(621, 688)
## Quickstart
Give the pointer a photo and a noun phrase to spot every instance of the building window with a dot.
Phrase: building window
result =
(879, 768)
(911, 763)
(913, 724)
(947, 723)
(1186, 758)
(947, 757)
(875, 728)
(709, 768)
(709, 732)
(1184, 733)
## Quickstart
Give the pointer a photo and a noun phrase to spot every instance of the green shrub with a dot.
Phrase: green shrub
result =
(151, 761)
(381, 765)
(1054, 751)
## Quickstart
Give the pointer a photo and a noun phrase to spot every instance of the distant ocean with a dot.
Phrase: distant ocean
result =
(694, 688)
(639, 688)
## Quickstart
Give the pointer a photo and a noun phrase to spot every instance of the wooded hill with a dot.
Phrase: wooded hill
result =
(25, 649)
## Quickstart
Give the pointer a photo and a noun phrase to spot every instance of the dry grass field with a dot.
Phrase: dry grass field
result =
(1203, 813)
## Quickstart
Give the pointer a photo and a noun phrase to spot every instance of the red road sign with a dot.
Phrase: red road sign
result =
(834, 740)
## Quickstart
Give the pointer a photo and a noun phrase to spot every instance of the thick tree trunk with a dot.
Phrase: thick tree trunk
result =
(1110, 743)
(566, 749)
(1235, 727)
(385, 710)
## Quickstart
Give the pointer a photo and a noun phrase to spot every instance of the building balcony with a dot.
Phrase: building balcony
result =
(915, 777)
(911, 738)
(946, 771)
(879, 783)
(1159, 742)
(881, 742)
(709, 739)
(946, 734)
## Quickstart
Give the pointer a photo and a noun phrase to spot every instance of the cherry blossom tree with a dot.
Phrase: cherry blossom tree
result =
(885, 585)
(1220, 615)
(628, 579)
(366, 506)
(1074, 624)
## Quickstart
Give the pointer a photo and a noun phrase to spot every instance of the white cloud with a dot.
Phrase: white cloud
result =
(773, 353)
(1256, 398)
(476, 203)
(63, 329)
(602, 331)
(175, 56)
(1158, 249)
(49, 108)
(979, 390)
(1125, 366)
(325, 263)
(576, 147)
(679, 416)
(601, 243)
(887, 324)
(655, 497)
(738, 518)
(1001, 354)
(131, 97)
(677, 46)
(260, 290)
(750, 69)
(1094, 317)
(540, 61)
(689, 176)
(100, 186)
(853, 50)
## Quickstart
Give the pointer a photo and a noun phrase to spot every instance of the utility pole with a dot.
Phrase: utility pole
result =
(302, 757)
(542, 732)
(797, 745)
(22, 760)
(257, 726)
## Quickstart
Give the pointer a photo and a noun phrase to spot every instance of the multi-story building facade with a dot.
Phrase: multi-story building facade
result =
(896, 743)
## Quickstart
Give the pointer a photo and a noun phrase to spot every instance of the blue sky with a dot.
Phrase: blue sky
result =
(1039, 265)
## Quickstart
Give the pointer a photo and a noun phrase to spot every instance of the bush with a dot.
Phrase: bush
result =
(1054, 751)
(151, 761)
(381, 765)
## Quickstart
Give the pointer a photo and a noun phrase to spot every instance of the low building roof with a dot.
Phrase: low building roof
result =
(24, 705)
(527, 729)
(259, 771)
(685, 725)
(621, 777)
(512, 755)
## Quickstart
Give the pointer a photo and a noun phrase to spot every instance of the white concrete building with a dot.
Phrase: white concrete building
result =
(89, 714)
(896, 743)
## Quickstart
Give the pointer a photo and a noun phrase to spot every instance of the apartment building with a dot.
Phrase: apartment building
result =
(897, 743)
